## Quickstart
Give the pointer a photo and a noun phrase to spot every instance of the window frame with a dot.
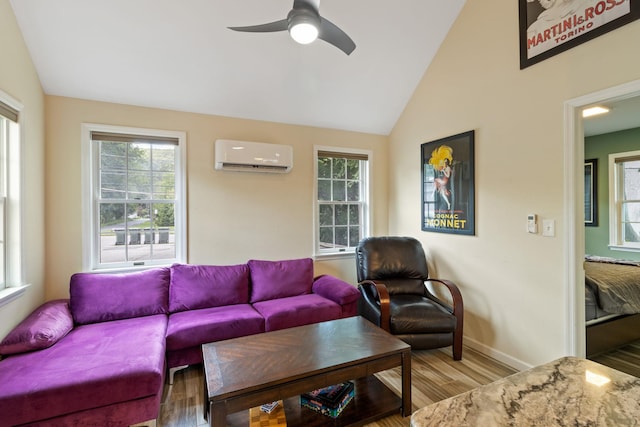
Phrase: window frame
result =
(616, 200)
(366, 191)
(13, 284)
(90, 189)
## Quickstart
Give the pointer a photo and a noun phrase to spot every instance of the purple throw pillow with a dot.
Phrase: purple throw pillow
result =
(97, 297)
(41, 329)
(204, 286)
(280, 279)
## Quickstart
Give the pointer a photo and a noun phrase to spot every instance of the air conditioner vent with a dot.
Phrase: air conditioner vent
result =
(245, 156)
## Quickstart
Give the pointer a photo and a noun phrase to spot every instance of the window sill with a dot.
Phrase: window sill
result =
(12, 293)
(334, 255)
(624, 248)
(126, 269)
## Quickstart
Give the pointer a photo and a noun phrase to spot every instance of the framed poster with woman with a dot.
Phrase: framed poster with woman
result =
(448, 184)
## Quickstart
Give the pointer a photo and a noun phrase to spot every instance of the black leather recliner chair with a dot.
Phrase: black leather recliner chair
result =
(392, 272)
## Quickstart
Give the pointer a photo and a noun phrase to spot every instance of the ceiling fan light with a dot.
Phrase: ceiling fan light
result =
(303, 32)
(303, 25)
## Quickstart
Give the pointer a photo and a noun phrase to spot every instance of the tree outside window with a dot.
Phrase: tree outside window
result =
(341, 201)
(137, 198)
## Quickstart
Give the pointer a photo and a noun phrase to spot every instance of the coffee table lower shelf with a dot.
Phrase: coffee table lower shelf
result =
(372, 400)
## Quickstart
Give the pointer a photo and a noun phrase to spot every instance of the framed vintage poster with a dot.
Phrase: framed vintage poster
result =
(591, 192)
(548, 27)
(448, 185)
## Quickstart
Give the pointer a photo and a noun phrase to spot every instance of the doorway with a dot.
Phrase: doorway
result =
(574, 206)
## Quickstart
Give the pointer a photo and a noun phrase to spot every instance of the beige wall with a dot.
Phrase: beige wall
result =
(232, 217)
(18, 78)
(513, 283)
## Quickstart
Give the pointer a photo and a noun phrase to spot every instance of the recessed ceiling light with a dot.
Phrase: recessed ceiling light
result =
(594, 111)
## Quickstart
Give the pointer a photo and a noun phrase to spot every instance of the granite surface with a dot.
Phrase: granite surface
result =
(566, 392)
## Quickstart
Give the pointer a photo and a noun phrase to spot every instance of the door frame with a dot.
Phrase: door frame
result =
(574, 208)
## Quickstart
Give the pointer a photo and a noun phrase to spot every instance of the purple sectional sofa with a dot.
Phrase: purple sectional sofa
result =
(101, 357)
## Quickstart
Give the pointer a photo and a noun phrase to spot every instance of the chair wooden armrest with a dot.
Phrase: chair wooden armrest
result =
(383, 299)
(457, 309)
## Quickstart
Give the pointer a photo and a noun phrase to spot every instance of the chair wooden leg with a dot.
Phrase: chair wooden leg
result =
(457, 346)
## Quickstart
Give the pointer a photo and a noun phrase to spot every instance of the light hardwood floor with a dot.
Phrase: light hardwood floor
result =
(434, 376)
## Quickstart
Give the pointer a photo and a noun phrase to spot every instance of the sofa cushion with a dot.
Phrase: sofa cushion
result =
(196, 327)
(93, 366)
(297, 311)
(203, 286)
(41, 329)
(280, 279)
(103, 297)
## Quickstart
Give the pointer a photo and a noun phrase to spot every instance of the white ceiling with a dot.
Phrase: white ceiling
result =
(179, 55)
(623, 114)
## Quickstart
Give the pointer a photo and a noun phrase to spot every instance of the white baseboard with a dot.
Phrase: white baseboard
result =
(495, 354)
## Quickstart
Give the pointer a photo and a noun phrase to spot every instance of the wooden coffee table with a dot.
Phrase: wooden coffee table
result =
(245, 372)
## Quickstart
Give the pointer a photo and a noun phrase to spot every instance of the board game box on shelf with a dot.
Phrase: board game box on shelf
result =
(329, 400)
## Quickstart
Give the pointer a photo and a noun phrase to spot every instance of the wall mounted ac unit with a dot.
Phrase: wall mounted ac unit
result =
(253, 156)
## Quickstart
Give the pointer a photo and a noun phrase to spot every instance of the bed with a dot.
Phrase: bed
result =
(612, 302)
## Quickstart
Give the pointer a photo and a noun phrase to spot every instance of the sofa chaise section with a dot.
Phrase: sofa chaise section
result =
(108, 374)
(103, 362)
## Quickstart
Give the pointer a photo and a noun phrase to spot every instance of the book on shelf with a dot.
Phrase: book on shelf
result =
(269, 407)
(260, 418)
(329, 400)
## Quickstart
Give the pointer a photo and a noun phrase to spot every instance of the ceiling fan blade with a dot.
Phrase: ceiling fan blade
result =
(281, 25)
(330, 33)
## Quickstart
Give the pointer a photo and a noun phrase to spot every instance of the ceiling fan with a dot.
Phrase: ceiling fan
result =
(305, 24)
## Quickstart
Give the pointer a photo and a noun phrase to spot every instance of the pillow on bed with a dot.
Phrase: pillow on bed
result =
(41, 329)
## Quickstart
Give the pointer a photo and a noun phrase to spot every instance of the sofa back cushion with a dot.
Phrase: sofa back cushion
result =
(99, 297)
(205, 286)
(41, 329)
(280, 279)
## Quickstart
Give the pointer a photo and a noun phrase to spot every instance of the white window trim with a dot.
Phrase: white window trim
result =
(615, 207)
(89, 243)
(367, 214)
(16, 285)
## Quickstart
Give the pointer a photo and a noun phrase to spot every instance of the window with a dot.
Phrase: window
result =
(11, 274)
(342, 199)
(135, 197)
(624, 206)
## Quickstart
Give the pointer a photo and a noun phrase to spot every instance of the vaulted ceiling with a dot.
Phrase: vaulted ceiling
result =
(180, 55)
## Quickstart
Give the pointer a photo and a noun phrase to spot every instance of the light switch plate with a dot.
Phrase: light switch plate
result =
(548, 227)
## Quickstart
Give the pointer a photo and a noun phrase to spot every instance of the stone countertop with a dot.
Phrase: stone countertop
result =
(567, 391)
